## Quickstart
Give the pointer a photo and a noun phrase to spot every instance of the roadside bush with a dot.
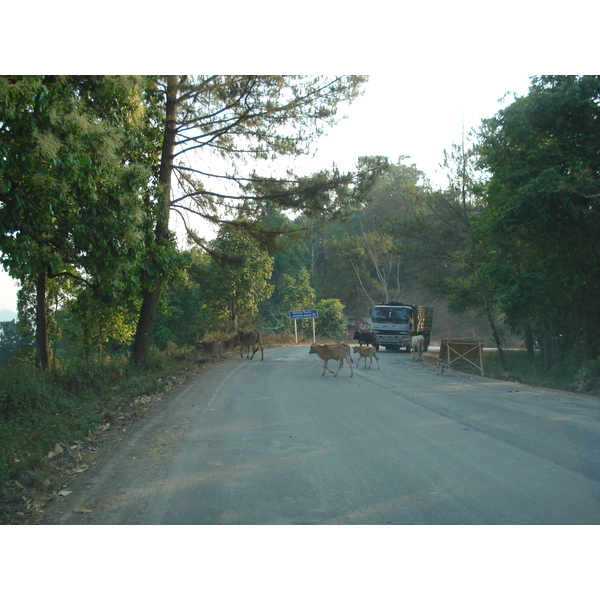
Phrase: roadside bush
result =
(11, 341)
(520, 366)
(184, 353)
(332, 321)
(35, 413)
(90, 376)
(589, 369)
(37, 409)
(23, 394)
(279, 339)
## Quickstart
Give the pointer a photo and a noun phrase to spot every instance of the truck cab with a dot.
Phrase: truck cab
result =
(395, 323)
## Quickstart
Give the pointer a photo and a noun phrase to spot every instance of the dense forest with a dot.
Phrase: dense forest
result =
(92, 168)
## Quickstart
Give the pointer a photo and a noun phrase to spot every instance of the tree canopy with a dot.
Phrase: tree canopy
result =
(225, 122)
(542, 216)
(74, 161)
(91, 167)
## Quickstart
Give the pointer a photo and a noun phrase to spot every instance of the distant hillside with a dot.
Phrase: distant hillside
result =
(7, 315)
(450, 325)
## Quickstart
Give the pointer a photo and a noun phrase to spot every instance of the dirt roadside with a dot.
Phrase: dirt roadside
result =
(64, 489)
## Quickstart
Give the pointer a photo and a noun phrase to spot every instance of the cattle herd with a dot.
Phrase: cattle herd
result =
(252, 339)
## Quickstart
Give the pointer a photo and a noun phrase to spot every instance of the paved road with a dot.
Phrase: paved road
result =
(273, 442)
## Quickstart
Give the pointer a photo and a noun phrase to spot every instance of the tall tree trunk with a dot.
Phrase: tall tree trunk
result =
(233, 317)
(529, 341)
(490, 316)
(313, 250)
(143, 334)
(496, 338)
(42, 358)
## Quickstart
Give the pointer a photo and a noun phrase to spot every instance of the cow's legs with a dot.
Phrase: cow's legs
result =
(262, 355)
(339, 368)
(326, 368)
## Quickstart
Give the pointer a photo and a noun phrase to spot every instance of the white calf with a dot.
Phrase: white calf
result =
(418, 346)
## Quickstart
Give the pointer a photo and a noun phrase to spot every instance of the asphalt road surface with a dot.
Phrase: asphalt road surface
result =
(274, 442)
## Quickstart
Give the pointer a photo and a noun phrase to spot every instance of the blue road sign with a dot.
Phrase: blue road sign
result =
(313, 313)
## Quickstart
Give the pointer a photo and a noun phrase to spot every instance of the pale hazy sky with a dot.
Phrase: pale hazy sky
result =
(416, 114)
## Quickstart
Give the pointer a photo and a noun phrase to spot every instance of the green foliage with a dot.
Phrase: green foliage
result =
(35, 413)
(11, 340)
(186, 311)
(38, 409)
(541, 218)
(397, 191)
(296, 294)
(221, 289)
(68, 191)
(227, 119)
(85, 184)
(348, 274)
(362, 261)
(236, 280)
(332, 322)
(73, 172)
(434, 236)
(589, 369)
(100, 326)
(290, 252)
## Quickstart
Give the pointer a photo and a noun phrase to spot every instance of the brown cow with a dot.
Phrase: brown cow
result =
(251, 337)
(367, 351)
(209, 347)
(333, 352)
(231, 342)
